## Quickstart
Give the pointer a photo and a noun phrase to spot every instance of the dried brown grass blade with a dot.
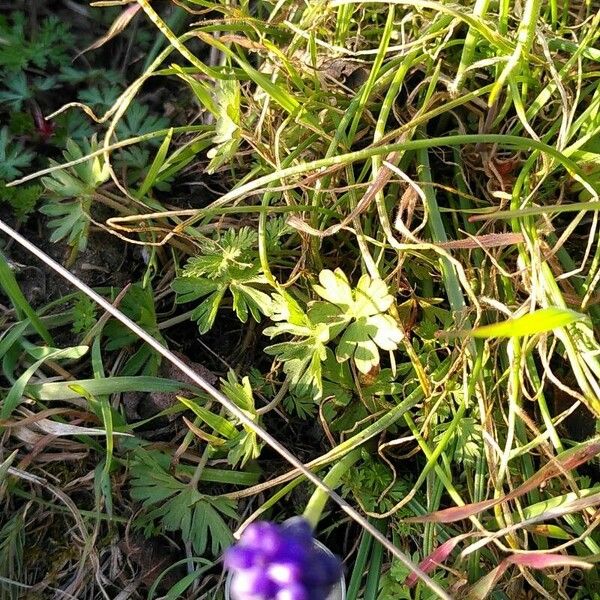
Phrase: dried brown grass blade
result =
(118, 25)
(565, 461)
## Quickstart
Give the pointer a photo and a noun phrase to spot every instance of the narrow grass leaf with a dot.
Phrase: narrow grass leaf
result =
(541, 560)
(156, 166)
(5, 465)
(438, 556)
(57, 429)
(539, 321)
(11, 288)
(11, 335)
(15, 394)
(288, 102)
(218, 423)
(63, 390)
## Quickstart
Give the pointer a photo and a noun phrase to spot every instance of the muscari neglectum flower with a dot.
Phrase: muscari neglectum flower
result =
(281, 562)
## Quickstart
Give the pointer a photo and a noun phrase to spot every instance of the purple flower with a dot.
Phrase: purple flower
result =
(281, 562)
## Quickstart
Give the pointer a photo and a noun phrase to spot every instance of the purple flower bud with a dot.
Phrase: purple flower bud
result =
(262, 536)
(293, 592)
(295, 550)
(298, 528)
(318, 593)
(323, 569)
(285, 573)
(252, 584)
(238, 557)
(281, 562)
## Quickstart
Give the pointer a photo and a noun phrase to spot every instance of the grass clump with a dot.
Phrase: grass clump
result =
(352, 217)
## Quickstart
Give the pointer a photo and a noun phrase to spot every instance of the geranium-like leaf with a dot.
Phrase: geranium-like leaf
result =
(245, 445)
(285, 308)
(302, 363)
(357, 342)
(329, 315)
(362, 338)
(206, 312)
(227, 128)
(13, 156)
(189, 289)
(247, 299)
(387, 335)
(228, 263)
(357, 315)
(335, 288)
(371, 297)
(177, 506)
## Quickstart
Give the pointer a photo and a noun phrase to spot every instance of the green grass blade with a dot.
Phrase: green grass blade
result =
(539, 321)
(13, 291)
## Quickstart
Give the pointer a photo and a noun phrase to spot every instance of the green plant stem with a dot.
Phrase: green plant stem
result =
(471, 40)
(392, 416)
(316, 504)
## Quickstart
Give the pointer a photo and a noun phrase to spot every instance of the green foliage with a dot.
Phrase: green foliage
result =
(226, 264)
(49, 46)
(295, 83)
(99, 97)
(392, 585)
(378, 488)
(70, 194)
(303, 407)
(466, 442)
(21, 123)
(432, 316)
(227, 129)
(17, 90)
(338, 388)
(84, 314)
(539, 321)
(245, 445)
(12, 546)
(72, 125)
(99, 76)
(134, 160)
(22, 199)
(139, 120)
(293, 403)
(13, 156)
(302, 356)
(177, 506)
(138, 305)
(358, 315)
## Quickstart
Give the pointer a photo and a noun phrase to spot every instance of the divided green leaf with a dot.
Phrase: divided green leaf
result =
(228, 263)
(177, 506)
(22, 199)
(70, 194)
(50, 45)
(302, 357)
(359, 313)
(138, 121)
(13, 156)
(245, 445)
(227, 129)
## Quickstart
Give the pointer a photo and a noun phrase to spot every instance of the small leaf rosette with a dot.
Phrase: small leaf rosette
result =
(282, 562)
